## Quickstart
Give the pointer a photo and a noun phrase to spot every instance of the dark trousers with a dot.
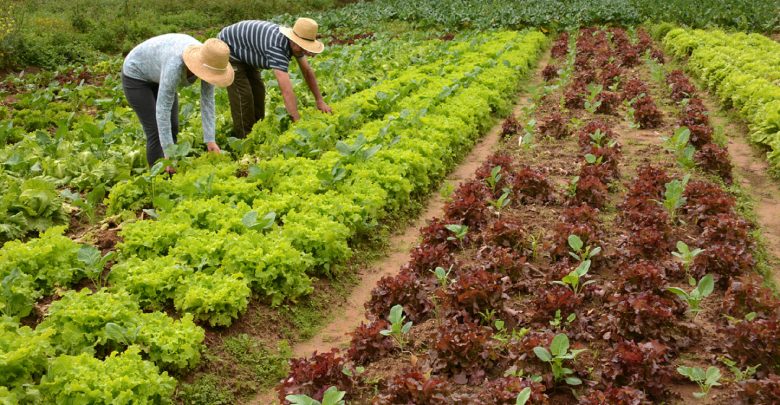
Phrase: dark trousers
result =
(142, 96)
(247, 98)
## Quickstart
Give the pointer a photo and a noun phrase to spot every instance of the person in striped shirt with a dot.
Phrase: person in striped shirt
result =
(264, 45)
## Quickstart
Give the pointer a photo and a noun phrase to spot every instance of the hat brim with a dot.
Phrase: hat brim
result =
(309, 45)
(219, 78)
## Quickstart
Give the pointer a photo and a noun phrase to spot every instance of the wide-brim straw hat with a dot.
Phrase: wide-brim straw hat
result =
(210, 61)
(304, 33)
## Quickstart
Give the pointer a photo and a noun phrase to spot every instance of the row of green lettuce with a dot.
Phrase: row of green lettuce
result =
(228, 227)
(743, 70)
(268, 227)
(69, 141)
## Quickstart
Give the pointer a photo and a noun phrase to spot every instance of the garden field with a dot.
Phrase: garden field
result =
(614, 240)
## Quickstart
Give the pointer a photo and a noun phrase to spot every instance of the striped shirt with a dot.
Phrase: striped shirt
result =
(258, 43)
(159, 60)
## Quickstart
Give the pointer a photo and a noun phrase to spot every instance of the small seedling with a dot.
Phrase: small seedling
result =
(576, 244)
(442, 276)
(459, 232)
(571, 188)
(558, 353)
(679, 144)
(558, 321)
(523, 396)
(94, 262)
(687, 256)
(631, 113)
(705, 379)
(739, 374)
(494, 178)
(87, 205)
(600, 139)
(750, 316)
(398, 329)
(673, 196)
(592, 159)
(536, 245)
(501, 202)
(332, 396)
(591, 104)
(352, 373)
(503, 335)
(697, 295)
(572, 280)
(527, 140)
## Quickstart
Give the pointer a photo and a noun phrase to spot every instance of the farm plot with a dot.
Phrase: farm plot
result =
(223, 229)
(598, 258)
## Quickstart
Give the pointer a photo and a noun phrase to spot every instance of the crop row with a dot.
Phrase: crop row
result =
(743, 70)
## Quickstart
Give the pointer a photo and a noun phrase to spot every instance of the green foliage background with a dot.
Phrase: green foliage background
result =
(47, 33)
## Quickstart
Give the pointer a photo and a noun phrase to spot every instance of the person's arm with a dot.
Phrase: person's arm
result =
(208, 117)
(285, 86)
(166, 93)
(311, 81)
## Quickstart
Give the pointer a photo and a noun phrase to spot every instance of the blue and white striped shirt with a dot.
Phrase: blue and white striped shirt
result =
(258, 43)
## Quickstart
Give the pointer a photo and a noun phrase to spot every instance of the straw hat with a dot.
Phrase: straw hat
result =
(210, 62)
(304, 33)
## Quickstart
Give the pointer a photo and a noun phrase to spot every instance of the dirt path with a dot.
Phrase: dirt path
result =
(350, 314)
(752, 171)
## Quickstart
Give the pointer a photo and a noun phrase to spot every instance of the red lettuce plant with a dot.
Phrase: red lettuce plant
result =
(463, 350)
(368, 344)
(754, 342)
(610, 101)
(312, 376)
(646, 113)
(643, 275)
(715, 159)
(644, 365)
(530, 185)
(414, 387)
(502, 260)
(469, 205)
(405, 289)
(560, 46)
(504, 390)
(476, 291)
(591, 190)
(505, 232)
(549, 72)
(510, 127)
(705, 199)
(747, 294)
(553, 125)
(759, 391)
(615, 396)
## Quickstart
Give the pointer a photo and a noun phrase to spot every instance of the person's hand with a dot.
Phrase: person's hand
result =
(170, 169)
(323, 107)
(213, 147)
